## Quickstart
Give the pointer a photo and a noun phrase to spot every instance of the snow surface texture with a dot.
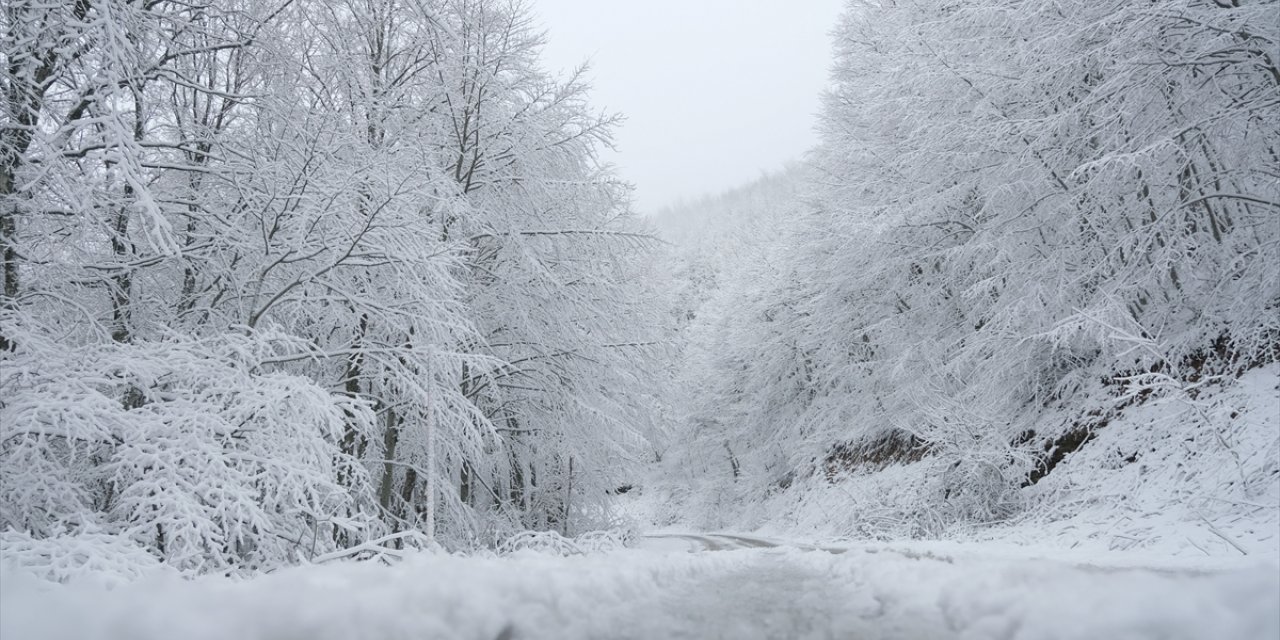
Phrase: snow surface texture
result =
(662, 592)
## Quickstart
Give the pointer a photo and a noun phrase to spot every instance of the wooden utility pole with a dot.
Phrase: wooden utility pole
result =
(568, 497)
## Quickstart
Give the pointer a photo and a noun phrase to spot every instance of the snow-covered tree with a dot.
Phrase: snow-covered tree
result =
(1012, 202)
(284, 277)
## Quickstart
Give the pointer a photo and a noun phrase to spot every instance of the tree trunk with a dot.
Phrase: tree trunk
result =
(390, 441)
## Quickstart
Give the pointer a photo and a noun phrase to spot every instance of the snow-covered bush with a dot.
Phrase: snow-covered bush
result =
(102, 558)
(188, 448)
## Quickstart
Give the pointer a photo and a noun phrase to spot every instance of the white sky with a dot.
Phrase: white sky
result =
(715, 91)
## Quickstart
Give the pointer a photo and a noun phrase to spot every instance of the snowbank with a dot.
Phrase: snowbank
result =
(763, 593)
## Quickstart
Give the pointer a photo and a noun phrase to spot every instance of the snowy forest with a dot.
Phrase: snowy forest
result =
(299, 282)
(1025, 221)
(281, 279)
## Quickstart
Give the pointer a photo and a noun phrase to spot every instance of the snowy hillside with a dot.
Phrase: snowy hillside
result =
(1147, 479)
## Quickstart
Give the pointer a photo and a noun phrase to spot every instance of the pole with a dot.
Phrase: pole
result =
(568, 497)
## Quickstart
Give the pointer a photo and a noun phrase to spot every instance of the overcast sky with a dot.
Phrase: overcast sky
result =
(715, 91)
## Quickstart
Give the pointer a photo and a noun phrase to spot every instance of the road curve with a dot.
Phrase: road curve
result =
(712, 541)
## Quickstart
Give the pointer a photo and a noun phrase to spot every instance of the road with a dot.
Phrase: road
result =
(706, 541)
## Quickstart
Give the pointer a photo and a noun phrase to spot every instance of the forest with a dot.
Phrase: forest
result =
(284, 278)
(1033, 232)
(289, 281)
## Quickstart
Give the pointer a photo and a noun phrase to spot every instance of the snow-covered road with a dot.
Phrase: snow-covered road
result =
(677, 585)
(705, 541)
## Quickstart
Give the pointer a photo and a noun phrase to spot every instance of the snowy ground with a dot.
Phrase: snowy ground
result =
(1170, 477)
(677, 586)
